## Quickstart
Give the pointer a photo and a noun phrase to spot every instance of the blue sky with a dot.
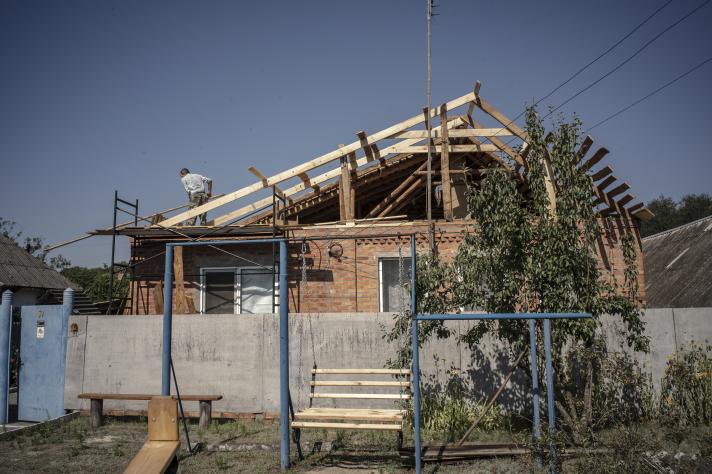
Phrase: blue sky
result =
(104, 95)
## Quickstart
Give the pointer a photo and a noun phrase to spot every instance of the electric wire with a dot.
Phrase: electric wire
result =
(651, 94)
(630, 58)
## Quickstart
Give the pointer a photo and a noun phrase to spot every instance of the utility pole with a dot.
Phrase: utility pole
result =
(429, 180)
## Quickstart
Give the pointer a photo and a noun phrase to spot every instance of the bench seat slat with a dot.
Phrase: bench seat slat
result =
(347, 426)
(142, 396)
(338, 416)
(375, 396)
(362, 371)
(358, 383)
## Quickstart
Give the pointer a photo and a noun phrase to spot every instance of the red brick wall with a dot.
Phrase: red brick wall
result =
(346, 284)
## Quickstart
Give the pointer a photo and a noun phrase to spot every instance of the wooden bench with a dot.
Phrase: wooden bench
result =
(158, 454)
(356, 418)
(97, 405)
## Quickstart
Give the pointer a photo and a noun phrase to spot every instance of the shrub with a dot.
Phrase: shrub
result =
(447, 417)
(686, 389)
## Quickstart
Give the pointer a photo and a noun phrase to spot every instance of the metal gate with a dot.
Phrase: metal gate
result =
(42, 359)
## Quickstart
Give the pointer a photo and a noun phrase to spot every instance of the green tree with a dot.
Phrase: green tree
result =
(670, 214)
(95, 282)
(33, 245)
(522, 258)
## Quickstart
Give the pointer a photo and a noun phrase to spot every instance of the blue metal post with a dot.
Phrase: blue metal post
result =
(5, 328)
(416, 397)
(67, 309)
(536, 429)
(551, 410)
(415, 369)
(283, 357)
(167, 322)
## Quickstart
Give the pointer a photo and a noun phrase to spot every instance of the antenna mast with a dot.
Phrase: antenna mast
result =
(429, 190)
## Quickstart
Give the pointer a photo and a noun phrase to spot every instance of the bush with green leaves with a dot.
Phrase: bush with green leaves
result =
(686, 390)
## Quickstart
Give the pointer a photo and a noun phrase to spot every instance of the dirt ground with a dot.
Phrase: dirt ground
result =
(254, 447)
(226, 447)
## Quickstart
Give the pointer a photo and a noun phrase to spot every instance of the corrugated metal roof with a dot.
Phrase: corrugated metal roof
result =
(678, 266)
(20, 269)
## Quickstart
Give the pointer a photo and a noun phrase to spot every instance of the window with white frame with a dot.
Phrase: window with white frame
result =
(393, 280)
(238, 290)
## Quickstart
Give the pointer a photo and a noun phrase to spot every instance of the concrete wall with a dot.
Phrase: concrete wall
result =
(238, 355)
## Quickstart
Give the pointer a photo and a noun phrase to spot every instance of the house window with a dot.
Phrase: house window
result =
(236, 290)
(393, 288)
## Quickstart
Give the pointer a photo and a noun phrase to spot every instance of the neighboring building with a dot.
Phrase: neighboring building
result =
(32, 282)
(678, 266)
(349, 226)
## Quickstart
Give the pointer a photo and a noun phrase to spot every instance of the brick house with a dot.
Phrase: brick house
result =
(350, 220)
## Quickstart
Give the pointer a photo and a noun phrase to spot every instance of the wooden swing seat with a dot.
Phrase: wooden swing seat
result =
(375, 419)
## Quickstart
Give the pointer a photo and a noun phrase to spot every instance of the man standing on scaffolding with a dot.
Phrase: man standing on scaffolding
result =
(194, 185)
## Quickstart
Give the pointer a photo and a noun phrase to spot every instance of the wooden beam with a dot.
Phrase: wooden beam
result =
(181, 300)
(445, 165)
(602, 173)
(314, 163)
(397, 191)
(345, 191)
(498, 143)
(598, 156)
(472, 148)
(585, 146)
(308, 182)
(644, 214)
(618, 190)
(635, 207)
(457, 133)
(625, 200)
(606, 182)
(264, 180)
(231, 216)
(500, 117)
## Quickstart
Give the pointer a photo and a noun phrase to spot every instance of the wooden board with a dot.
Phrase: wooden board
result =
(143, 396)
(163, 419)
(358, 383)
(350, 414)
(459, 133)
(364, 396)
(362, 371)
(153, 457)
(347, 426)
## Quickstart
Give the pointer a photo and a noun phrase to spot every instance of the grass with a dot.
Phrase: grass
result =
(254, 447)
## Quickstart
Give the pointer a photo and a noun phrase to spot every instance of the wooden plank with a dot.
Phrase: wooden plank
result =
(401, 200)
(500, 117)
(346, 426)
(96, 412)
(618, 190)
(303, 416)
(498, 143)
(602, 173)
(598, 156)
(153, 457)
(358, 383)
(635, 207)
(625, 200)
(142, 396)
(158, 297)
(163, 419)
(606, 182)
(314, 163)
(472, 148)
(366, 411)
(644, 214)
(583, 149)
(362, 371)
(264, 180)
(180, 297)
(347, 189)
(231, 216)
(363, 396)
(457, 133)
(445, 165)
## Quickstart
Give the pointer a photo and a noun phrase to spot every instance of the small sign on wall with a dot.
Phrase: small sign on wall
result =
(40, 329)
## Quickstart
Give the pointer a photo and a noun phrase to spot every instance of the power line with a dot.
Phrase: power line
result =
(629, 58)
(659, 89)
(590, 63)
